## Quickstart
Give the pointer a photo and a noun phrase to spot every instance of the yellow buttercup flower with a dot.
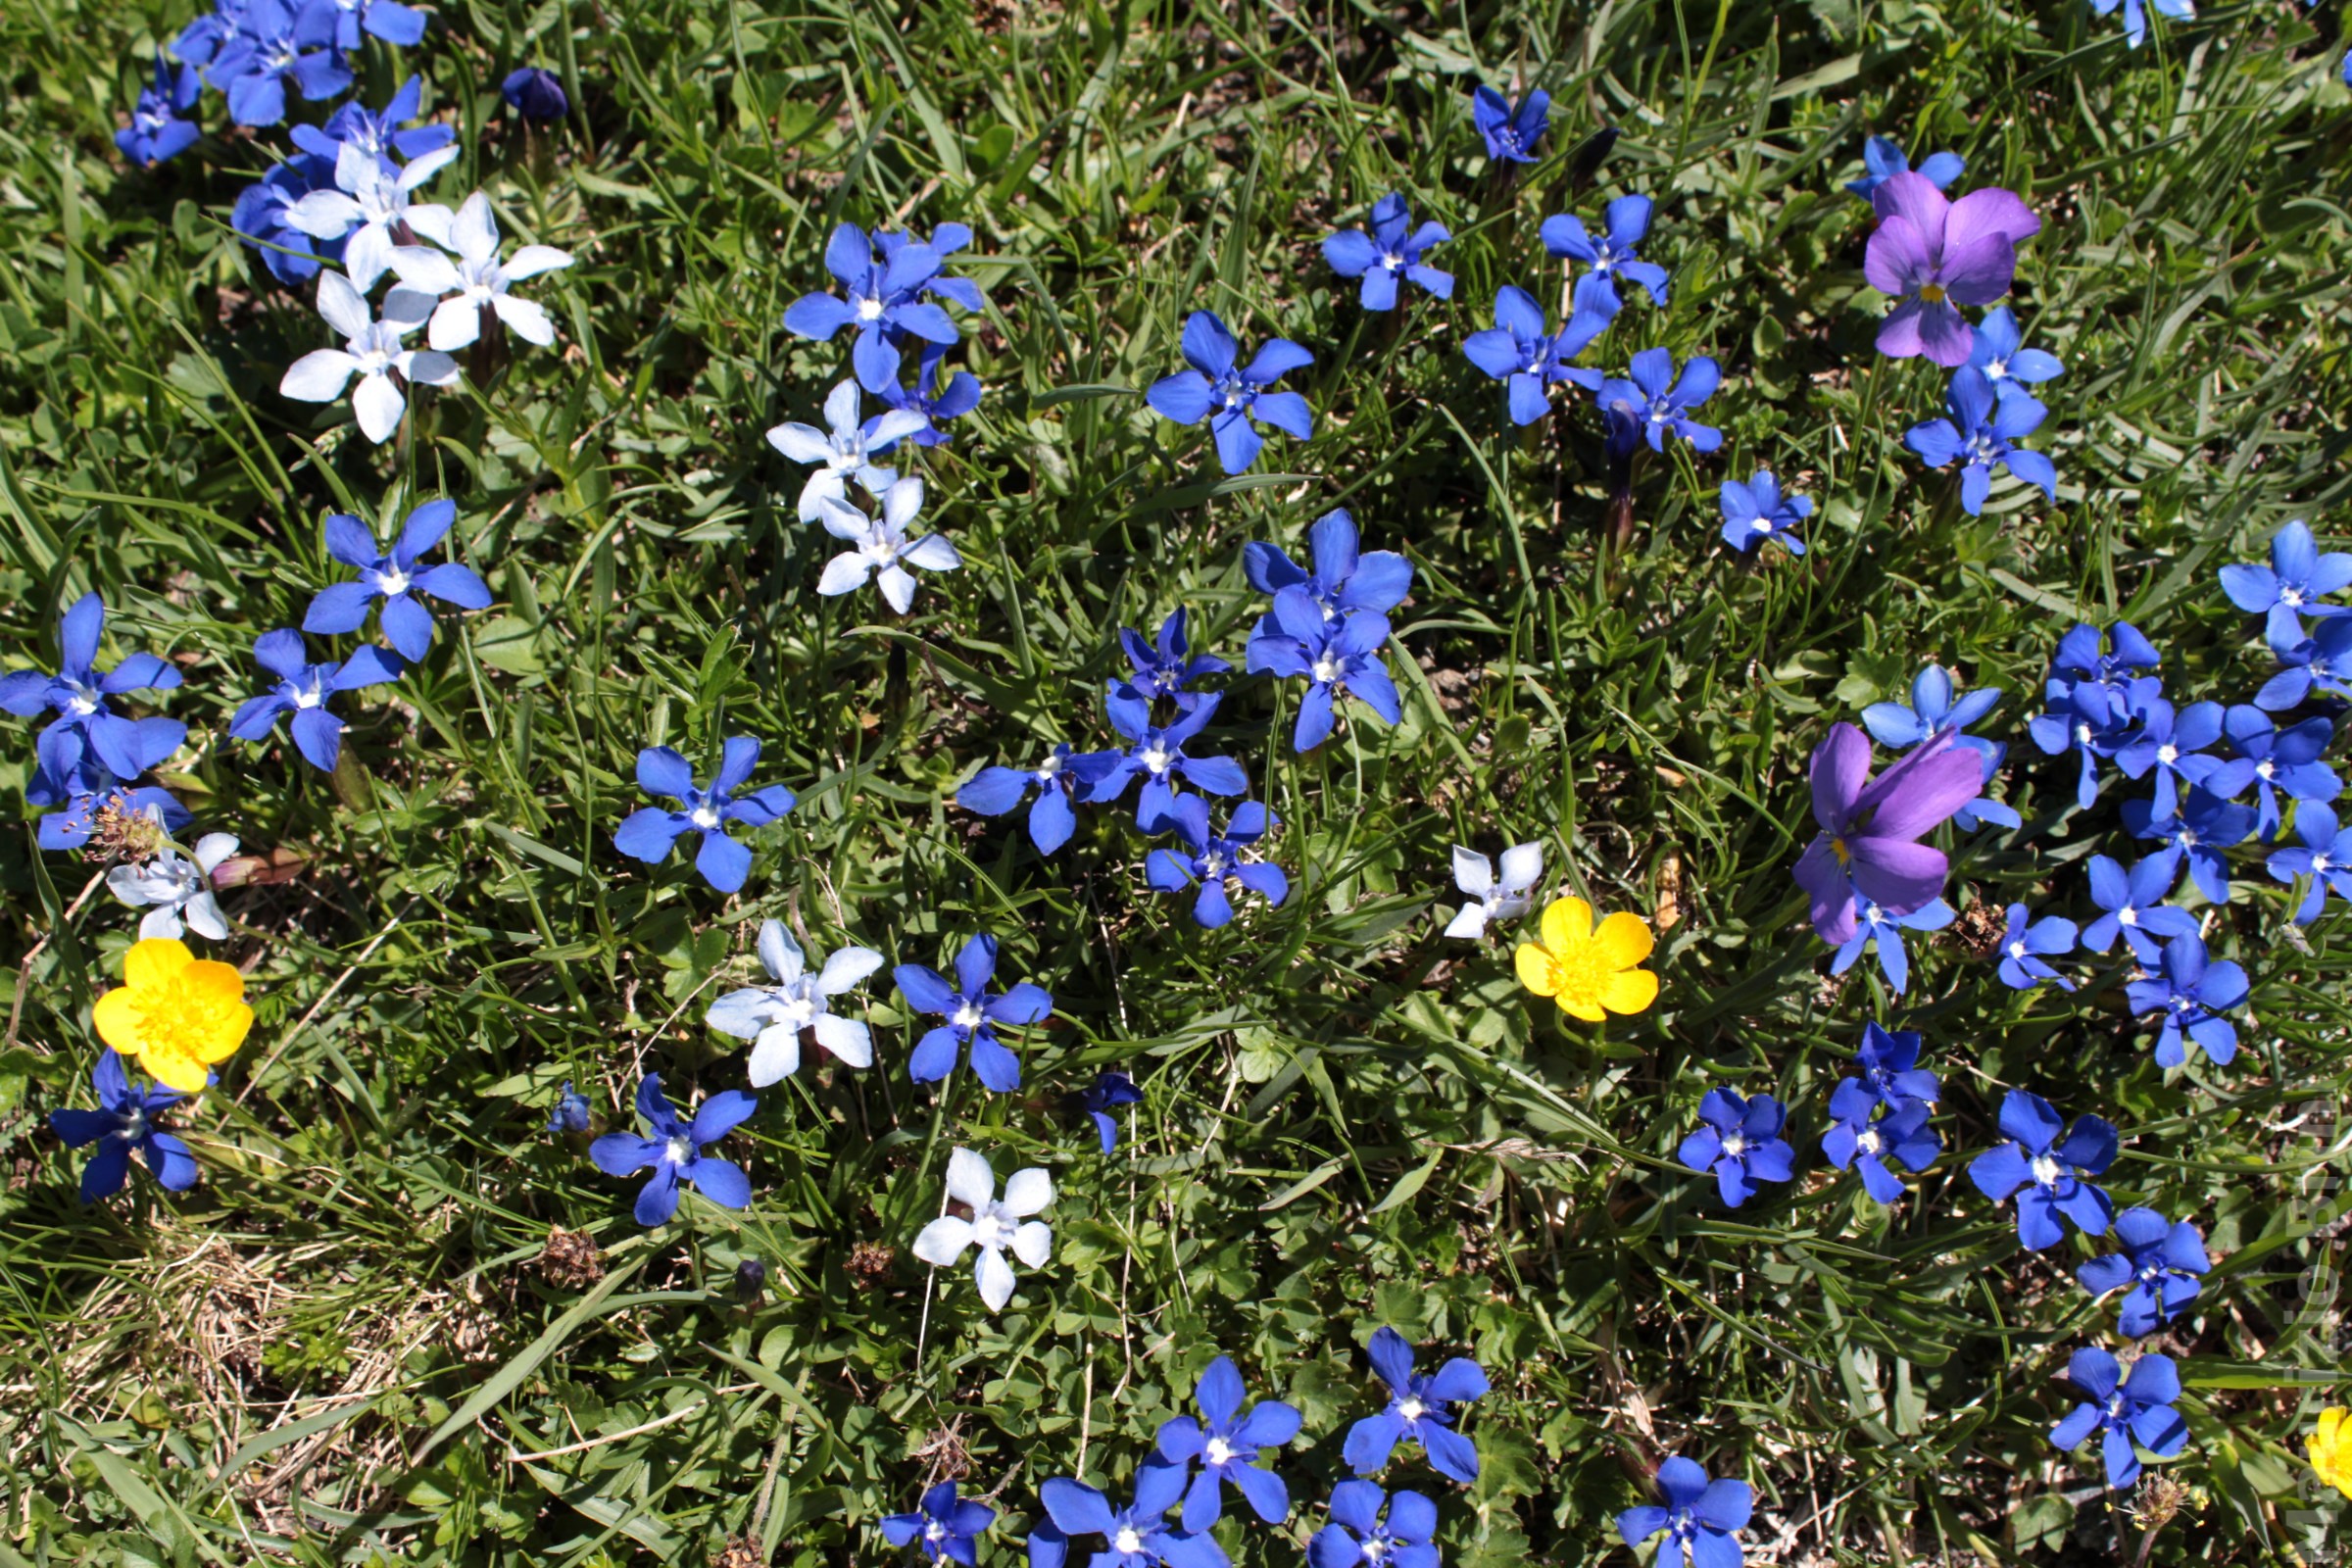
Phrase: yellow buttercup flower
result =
(2331, 1448)
(1590, 970)
(174, 1012)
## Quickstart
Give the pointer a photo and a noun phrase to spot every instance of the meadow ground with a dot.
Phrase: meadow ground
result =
(397, 1319)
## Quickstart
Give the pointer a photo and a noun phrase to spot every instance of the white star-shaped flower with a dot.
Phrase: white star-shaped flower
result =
(842, 455)
(371, 351)
(478, 281)
(1489, 898)
(775, 1018)
(994, 1226)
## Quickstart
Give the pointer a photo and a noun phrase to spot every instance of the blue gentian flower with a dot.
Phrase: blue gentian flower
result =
(1520, 351)
(1218, 388)
(1417, 1411)
(1891, 1070)
(2111, 658)
(1511, 134)
(2325, 855)
(2092, 718)
(2025, 949)
(2048, 1171)
(1345, 578)
(201, 39)
(2138, 1407)
(1610, 257)
(994, 791)
(2324, 660)
(2157, 1269)
(2006, 363)
(396, 579)
(1883, 159)
(1158, 756)
(883, 299)
(1755, 510)
(2191, 992)
(1357, 1536)
(943, 1527)
(277, 41)
(77, 693)
(2275, 762)
(2291, 587)
(647, 833)
(2198, 832)
(260, 219)
(377, 133)
(972, 1011)
(1107, 1093)
(571, 1114)
(1166, 667)
(67, 773)
(1699, 1520)
(535, 93)
(2135, 33)
(156, 131)
(846, 450)
(1982, 433)
(1332, 656)
(1874, 924)
(124, 1124)
(1935, 708)
(1661, 401)
(302, 691)
(1138, 1535)
(945, 241)
(1865, 1135)
(1227, 1440)
(2134, 907)
(2171, 743)
(675, 1150)
(1740, 1143)
(1210, 858)
(926, 400)
(1391, 250)
(387, 19)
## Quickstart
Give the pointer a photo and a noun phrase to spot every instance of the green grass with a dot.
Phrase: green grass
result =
(341, 1345)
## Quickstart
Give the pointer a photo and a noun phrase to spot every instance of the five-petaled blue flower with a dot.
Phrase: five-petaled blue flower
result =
(2322, 659)
(2139, 1408)
(2171, 744)
(1698, 1519)
(648, 831)
(571, 1113)
(1220, 389)
(1417, 1411)
(675, 1150)
(2133, 907)
(277, 41)
(1511, 134)
(1345, 578)
(883, 298)
(1166, 667)
(1890, 1064)
(1740, 1142)
(1526, 357)
(1883, 159)
(77, 693)
(2199, 831)
(1874, 924)
(1210, 858)
(1107, 1093)
(394, 578)
(2191, 991)
(156, 131)
(2028, 945)
(2325, 855)
(926, 399)
(2046, 1171)
(303, 688)
(1660, 401)
(1865, 1134)
(1391, 250)
(1610, 257)
(2291, 587)
(377, 132)
(1227, 1440)
(941, 1527)
(1999, 353)
(1982, 435)
(1755, 510)
(1358, 1537)
(1158, 756)
(973, 1013)
(2157, 1270)
(124, 1124)
(535, 93)
(995, 790)
(1138, 1535)
(2275, 762)
(1332, 656)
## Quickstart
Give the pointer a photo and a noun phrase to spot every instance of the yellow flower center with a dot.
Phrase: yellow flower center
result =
(1932, 293)
(1845, 856)
(1580, 974)
(187, 1021)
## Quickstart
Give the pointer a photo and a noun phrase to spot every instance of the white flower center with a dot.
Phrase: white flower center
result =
(134, 1125)
(1212, 867)
(2188, 838)
(677, 1152)
(880, 551)
(2321, 863)
(1870, 1142)
(1375, 1548)
(1392, 261)
(2290, 597)
(2045, 1170)
(798, 1008)
(394, 583)
(1158, 757)
(1763, 525)
(1996, 369)
(935, 1531)
(1127, 1543)
(310, 695)
(2262, 771)
(991, 1229)
(1048, 767)
(83, 704)
(966, 1017)
(704, 816)
(869, 310)
(1328, 669)
(2083, 734)
(2017, 949)
(1218, 1451)
(1411, 1409)
(1733, 1147)
(2168, 754)
(2127, 916)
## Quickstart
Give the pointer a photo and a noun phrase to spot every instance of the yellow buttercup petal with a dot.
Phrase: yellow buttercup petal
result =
(1630, 991)
(176, 1070)
(2331, 1448)
(154, 961)
(1535, 970)
(1625, 941)
(1580, 1006)
(116, 1017)
(206, 977)
(223, 1033)
(1567, 925)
